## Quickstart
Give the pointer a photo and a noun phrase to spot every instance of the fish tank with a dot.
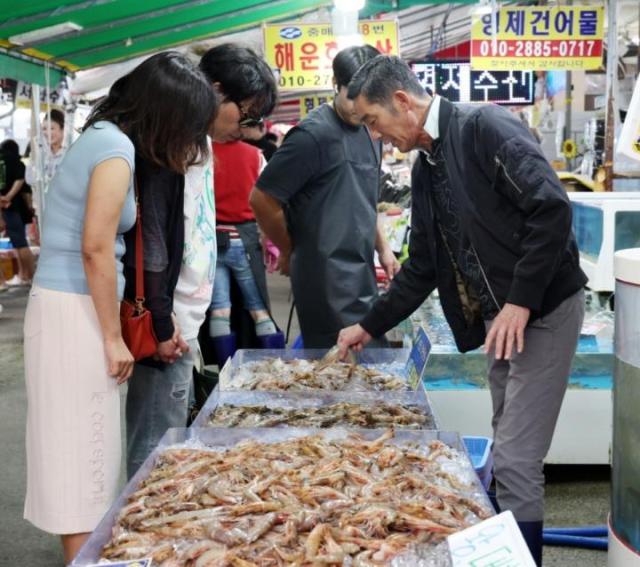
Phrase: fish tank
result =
(449, 369)
(603, 224)
(625, 495)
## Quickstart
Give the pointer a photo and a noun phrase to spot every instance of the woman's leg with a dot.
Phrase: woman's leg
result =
(26, 264)
(17, 234)
(71, 544)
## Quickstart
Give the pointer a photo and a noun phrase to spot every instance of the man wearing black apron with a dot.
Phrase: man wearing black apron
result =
(316, 200)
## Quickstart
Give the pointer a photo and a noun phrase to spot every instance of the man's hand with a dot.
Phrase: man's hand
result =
(389, 262)
(270, 254)
(354, 337)
(283, 263)
(168, 351)
(507, 327)
(5, 202)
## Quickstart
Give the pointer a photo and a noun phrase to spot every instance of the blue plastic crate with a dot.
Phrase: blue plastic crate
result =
(5, 244)
(479, 449)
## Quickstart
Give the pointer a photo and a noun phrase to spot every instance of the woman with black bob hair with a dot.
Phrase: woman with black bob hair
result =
(75, 357)
(246, 87)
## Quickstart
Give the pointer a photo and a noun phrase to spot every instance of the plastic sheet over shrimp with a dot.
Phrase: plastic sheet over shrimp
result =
(306, 501)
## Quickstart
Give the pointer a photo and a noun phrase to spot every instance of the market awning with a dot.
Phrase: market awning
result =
(78, 34)
(29, 71)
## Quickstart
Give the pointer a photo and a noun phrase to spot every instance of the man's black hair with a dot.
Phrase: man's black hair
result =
(379, 78)
(243, 76)
(349, 60)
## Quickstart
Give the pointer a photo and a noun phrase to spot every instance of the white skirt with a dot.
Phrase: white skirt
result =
(73, 417)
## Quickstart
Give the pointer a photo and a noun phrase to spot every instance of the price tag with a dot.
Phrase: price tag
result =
(133, 563)
(418, 358)
(496, 542)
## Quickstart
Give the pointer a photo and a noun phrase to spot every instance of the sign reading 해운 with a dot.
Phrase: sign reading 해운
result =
(538, 38)
(302, 54)
(457, 82)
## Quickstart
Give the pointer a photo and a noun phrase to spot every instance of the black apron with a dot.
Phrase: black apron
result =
(332, 223)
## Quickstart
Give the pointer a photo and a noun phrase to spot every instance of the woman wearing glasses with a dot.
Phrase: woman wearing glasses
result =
(248, 93)
(158, 397)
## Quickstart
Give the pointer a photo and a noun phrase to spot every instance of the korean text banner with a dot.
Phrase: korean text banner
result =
(456, 81)
(538, 38)
(311, 101)
(302, 53)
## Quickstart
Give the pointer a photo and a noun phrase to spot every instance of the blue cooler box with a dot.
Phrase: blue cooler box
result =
(479, 449)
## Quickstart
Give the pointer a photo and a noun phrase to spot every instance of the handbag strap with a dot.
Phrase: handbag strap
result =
(139, 252)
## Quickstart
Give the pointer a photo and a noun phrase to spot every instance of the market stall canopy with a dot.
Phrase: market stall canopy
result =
(425, 27)
(79, 34)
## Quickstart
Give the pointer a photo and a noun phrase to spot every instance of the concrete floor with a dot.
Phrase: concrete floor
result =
(574, 495)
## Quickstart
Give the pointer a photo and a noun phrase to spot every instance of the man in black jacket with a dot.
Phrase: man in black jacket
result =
(491, 229)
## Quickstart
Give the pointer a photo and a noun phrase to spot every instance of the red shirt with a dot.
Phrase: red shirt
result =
(236, 170)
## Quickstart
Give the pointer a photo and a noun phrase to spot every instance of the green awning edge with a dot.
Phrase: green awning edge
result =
(22, 69)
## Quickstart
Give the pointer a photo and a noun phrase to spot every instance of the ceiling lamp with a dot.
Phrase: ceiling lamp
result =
(348, 5)
(43, 34)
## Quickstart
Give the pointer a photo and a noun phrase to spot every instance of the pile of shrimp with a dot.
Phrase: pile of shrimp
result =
(300, 375)
(306, 501)
(370, 416)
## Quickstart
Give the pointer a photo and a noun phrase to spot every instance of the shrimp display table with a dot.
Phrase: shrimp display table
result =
(274, 496)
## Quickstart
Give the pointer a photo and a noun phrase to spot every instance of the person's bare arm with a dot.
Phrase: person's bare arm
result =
(107, 193)
(271, 220)
(5, 200)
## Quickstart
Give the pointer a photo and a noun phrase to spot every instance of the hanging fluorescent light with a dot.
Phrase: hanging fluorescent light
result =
(42, 34)
(348, 5)
(483, 8)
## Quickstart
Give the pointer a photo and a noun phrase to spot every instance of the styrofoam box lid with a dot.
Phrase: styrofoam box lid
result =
(627, 265)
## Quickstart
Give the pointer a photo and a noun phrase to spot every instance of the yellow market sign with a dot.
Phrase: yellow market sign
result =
(302, 53)
(538, 38)
(311, 101)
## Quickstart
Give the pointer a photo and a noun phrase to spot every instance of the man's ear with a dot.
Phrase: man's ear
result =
(402, 100)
